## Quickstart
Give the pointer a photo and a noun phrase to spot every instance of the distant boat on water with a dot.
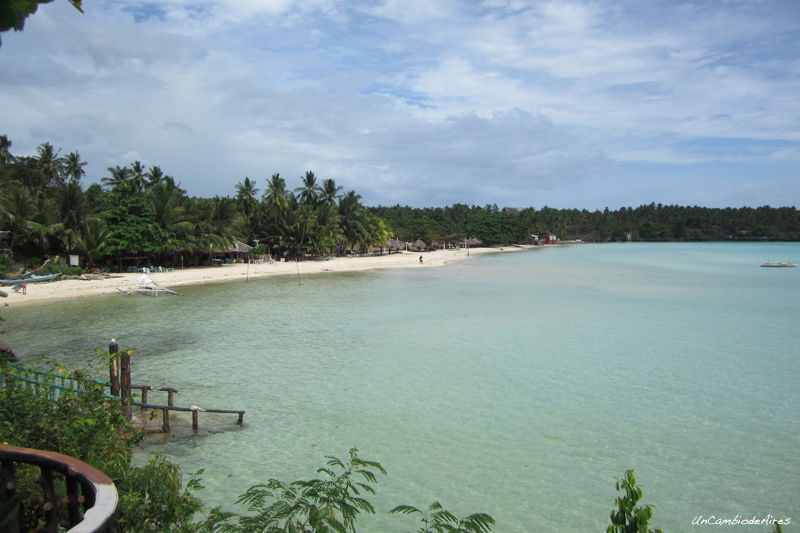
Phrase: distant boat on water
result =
(778, 265)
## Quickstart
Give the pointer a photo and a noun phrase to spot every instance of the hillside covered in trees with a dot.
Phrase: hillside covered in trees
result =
(138, 212)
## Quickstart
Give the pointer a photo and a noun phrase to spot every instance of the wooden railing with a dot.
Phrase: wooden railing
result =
(48, 383)
(90, 500)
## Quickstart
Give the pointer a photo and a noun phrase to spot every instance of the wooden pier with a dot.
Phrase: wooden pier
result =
(54, 385)
(120, 381)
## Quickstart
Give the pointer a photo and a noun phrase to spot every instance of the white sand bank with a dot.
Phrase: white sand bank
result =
(69, 289)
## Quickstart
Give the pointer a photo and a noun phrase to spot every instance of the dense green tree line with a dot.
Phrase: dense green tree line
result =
(138, 211)
(653, 222)
(143, 212)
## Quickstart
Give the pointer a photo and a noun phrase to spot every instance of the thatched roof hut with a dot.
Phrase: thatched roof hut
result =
(397, 244)
(472, 241)
(238, 248)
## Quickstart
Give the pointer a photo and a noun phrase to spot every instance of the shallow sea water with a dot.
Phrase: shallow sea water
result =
(518, 384)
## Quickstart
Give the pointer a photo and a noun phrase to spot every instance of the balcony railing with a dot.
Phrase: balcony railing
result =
(91, 496)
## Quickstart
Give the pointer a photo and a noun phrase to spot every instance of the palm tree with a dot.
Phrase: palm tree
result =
(49, 165)
(300, 228)
(93, 237)
(137, 176)
(71, 205)
(310, 191)
(118, 176)
(330, 191)
(378, 231)
(327, 232)
(223, 220)
(169, 214)
(5, 147)
(246, 196)
(353, 219)
(73, 167)
(18, 212)
(154, 176)
(165, 201)
(276, 210)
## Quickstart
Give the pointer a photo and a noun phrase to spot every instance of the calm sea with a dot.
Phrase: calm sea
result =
(518, 384)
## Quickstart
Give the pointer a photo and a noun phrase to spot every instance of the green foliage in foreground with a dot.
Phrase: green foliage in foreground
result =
(14, 12)
(93, 429)
(330, 503)
(628, 517)
(437, 519)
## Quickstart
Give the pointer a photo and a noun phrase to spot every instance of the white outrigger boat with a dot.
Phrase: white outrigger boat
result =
(147, 287)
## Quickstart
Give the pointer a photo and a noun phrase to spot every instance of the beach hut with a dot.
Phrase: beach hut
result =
(237, 249)
(394, 245)
(550, 238)
(472, 241)
(419, 245)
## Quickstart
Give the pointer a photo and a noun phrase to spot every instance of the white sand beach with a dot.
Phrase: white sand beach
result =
(74, 288)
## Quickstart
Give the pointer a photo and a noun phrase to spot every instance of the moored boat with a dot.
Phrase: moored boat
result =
(33, 278)
(146, 287)
(778, 265)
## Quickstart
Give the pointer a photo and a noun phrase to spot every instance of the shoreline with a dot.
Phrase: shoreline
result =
(76, 288)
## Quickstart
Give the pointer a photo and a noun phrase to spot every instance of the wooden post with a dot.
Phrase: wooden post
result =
(125, 383)
(165, 420)
(170, 397)
(45, 480)
(7, 490)
(195, 418)
(113, 368)
(73, 505)
(241, 418)
(144, 395)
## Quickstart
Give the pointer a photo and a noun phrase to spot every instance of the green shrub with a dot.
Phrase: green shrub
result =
(6, 264)
(64, 270)
(628, 517)
(92, 428)
(153, 499)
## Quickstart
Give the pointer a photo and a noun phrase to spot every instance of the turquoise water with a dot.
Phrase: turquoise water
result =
(519, 384)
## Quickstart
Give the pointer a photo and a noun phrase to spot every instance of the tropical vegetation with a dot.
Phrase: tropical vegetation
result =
(653, 222)
(138, 213)
(142, 214)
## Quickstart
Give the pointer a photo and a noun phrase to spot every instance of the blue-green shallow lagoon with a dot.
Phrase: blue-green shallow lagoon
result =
(519, 384)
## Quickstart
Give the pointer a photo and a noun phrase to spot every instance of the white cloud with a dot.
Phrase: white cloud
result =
(422, 102)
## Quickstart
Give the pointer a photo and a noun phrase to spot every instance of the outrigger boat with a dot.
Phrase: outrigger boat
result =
(146, 287)
(33, 278)
(778, 265)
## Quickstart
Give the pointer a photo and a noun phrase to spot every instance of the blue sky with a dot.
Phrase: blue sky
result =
(571, 104)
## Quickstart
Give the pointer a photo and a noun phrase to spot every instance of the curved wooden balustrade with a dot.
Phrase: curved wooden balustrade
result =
(91, 496)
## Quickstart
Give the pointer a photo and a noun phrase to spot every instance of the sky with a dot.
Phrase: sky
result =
(568, 104)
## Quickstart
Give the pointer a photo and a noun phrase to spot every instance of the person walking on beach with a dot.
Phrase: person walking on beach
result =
(420, 260)
(24, 286)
